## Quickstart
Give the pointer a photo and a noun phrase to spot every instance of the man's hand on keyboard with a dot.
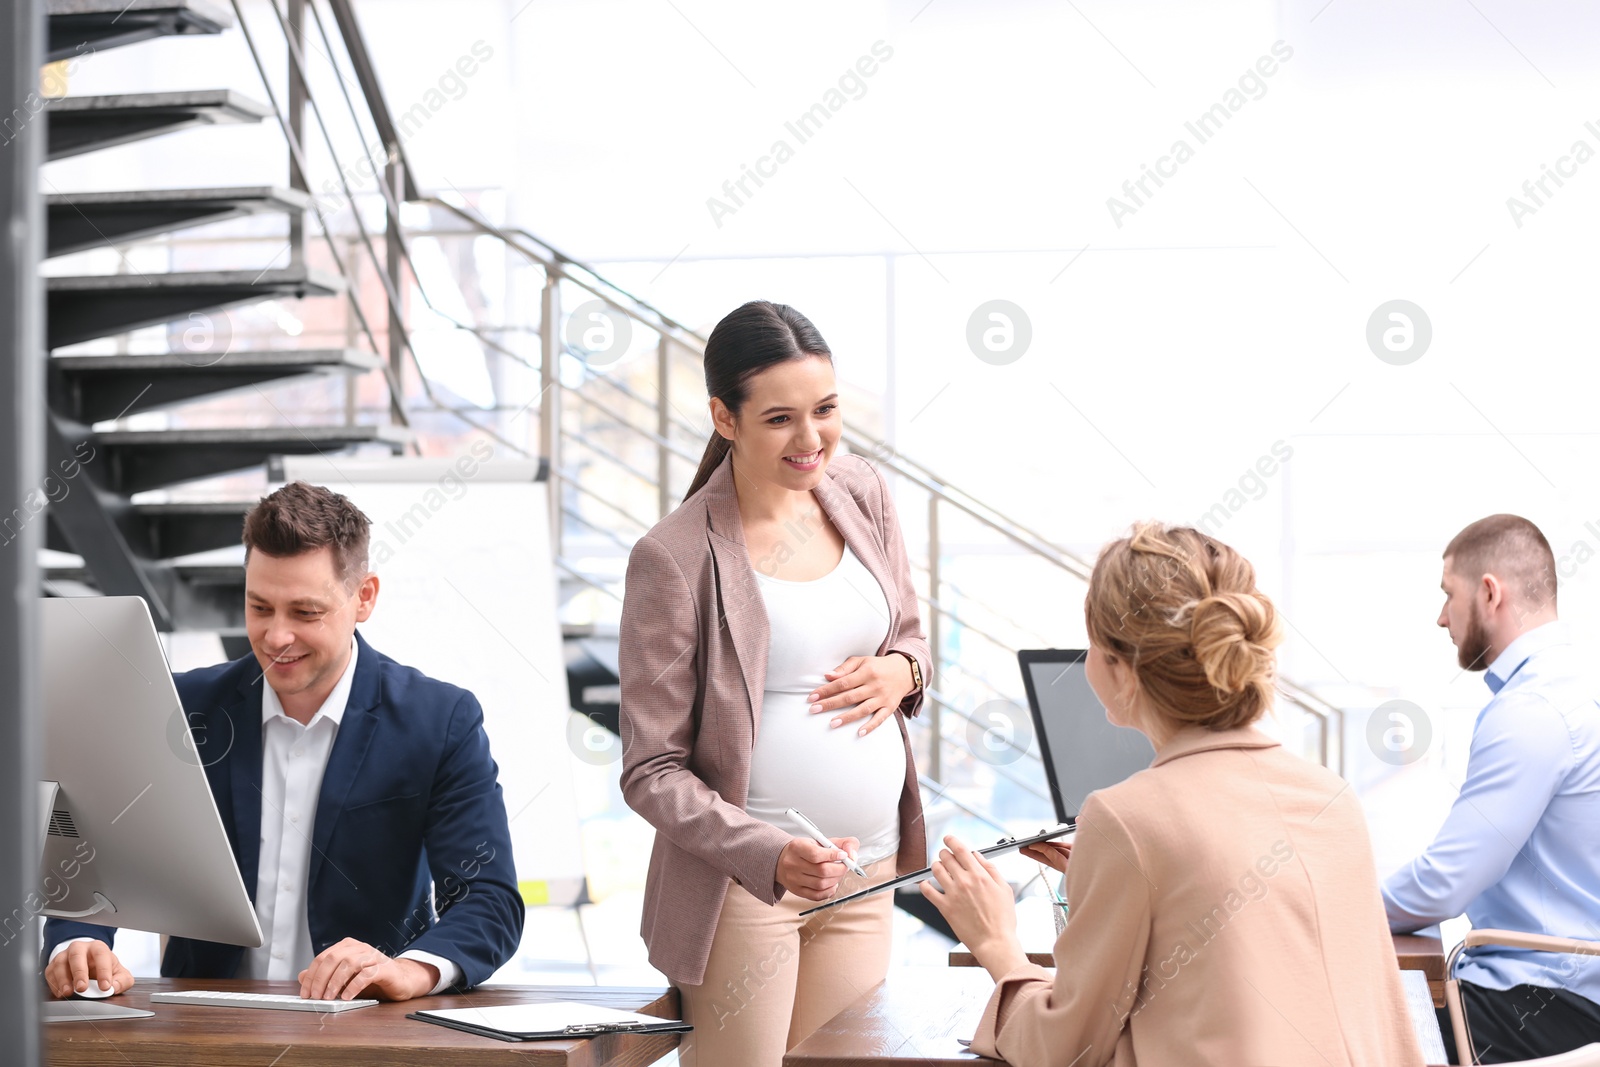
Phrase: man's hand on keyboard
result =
(354, 968)
(83, 962)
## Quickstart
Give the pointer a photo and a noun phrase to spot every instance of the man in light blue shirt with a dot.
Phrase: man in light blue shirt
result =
(1520, 849)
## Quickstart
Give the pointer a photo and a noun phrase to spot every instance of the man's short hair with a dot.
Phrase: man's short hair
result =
(303, 518)
(1512, 549)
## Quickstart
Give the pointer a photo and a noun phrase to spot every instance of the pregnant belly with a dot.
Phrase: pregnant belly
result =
(849, 786)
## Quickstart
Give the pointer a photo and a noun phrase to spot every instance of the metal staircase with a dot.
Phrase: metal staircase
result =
(126, 545)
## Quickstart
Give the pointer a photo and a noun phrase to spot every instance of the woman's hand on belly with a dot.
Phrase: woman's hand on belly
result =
(808, 870)
(871, 687)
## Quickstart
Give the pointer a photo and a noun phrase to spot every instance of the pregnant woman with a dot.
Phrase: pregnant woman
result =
(771, 647)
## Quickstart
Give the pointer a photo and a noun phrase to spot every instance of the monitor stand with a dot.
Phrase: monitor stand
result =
(87, 1011)
(48, 793)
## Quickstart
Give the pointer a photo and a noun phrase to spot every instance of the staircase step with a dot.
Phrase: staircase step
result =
(205, 597)
(101, 305)
(81, 124)
(182, 528)
(79, 221)
(133, 461)
(81, 26)
(92, 388)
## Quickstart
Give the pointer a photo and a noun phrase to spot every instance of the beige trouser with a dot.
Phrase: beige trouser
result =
(774, 977)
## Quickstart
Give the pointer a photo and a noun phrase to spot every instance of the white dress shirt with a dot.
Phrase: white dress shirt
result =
(293, 759)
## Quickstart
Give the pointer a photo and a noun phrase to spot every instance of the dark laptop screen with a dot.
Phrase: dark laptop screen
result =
(1082, 751)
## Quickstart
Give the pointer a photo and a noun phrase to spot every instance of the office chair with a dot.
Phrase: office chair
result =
(1587, 1056)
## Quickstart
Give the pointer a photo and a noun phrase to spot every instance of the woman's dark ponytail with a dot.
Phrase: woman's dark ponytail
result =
(746, 342)
(716, 449)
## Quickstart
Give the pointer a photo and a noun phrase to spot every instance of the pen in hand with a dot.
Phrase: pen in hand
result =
(817, 835)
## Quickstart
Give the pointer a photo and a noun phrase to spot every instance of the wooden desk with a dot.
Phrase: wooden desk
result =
(1414, 952)
(235, 1037)
(911, 1018)
(1426, 954)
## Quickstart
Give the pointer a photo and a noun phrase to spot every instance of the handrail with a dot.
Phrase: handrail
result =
(623, 423)
(971, 506)
(355, 44)
(567, 261)
(558, 262)
(607, 456)
(570, 479)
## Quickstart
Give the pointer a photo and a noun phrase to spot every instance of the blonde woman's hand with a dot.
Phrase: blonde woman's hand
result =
(1050, 853)
(979, 906)
(871, 687)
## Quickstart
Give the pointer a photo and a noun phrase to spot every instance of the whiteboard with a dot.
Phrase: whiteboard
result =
(467, 594)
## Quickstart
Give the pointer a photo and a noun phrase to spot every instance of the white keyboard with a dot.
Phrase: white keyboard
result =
(209, 999)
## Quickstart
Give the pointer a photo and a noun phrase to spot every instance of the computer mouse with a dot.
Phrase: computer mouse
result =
(94, 992)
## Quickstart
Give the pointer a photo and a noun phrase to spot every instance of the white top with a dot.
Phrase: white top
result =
(849, 786)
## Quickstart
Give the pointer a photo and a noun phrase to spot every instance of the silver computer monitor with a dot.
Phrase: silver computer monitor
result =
(1082, 750)
(133, 838)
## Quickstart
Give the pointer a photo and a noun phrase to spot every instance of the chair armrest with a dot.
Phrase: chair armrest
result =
(1533, 942)
(1510, 939)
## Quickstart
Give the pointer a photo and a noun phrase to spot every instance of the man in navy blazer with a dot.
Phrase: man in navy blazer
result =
(359, 795)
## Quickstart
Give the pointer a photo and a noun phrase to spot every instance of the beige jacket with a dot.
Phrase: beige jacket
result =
(694, 647)
(1224, 910)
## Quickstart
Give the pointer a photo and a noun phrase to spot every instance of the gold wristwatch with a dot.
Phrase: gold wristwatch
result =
(916, 670)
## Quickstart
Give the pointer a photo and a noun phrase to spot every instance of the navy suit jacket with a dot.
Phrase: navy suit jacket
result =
(410, 792)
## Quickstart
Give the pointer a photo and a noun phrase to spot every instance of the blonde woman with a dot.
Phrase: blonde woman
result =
(1225, 907)
(771, 649)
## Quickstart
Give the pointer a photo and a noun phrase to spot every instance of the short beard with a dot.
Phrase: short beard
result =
(1473, 652)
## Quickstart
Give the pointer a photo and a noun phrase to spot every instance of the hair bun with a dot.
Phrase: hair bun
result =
(1233, 635)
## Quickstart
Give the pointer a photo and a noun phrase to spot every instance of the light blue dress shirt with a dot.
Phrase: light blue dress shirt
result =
(1520, 849)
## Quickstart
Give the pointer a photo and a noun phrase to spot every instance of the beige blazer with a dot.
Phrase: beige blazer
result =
(694, 645)
(1224, 910)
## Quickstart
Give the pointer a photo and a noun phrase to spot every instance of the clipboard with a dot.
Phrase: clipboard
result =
(549, 1021)
(1004, 845)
